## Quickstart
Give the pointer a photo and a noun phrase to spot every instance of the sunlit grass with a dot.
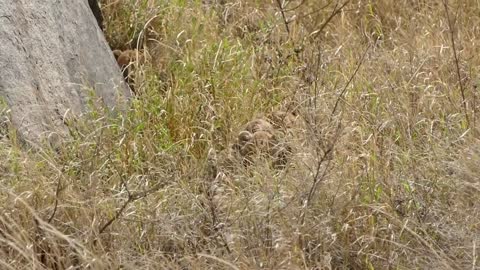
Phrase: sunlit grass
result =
(383, 172)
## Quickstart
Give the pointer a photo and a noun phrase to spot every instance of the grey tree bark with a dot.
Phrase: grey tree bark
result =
(51, 53)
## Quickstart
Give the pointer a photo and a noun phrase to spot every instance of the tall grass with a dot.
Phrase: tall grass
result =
(383, 174)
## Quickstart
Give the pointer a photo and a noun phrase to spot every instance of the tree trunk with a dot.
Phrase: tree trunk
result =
(51, 53)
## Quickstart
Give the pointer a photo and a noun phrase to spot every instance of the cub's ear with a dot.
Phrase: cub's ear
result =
(97, 12)
(125, 58)
(117, 54)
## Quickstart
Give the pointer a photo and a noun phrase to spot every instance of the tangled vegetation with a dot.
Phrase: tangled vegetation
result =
(374, 104)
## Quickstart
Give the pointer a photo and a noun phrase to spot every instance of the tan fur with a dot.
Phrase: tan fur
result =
(125, 60)
(117, 53)
(258, 139)
(259, 125)
(259, 142)
(281, 119)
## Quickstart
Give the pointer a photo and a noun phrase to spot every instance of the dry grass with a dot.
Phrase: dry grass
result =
(385, 150)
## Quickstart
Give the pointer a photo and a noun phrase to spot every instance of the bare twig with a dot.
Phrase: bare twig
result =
(318, 178)
(117, 215)
(340, 97)
(311, 12)
(296, 7)
(457, 65)
(131, 197)
(319, 175)
(280, 6)
(334, 13)
(57, 194)
(58, 188)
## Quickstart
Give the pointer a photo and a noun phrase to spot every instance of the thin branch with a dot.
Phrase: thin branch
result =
(131, 197)
(335, 12)
(457, 65)
(317, 178)
(320, 174)
(340, 97)
(280, 6)
(297, 6)
(117, 215)
(57, 194)
(311, 12)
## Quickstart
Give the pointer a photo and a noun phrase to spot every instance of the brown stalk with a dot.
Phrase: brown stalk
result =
(280, 6)
(334, 13)
(340, 97)
(457, 61)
